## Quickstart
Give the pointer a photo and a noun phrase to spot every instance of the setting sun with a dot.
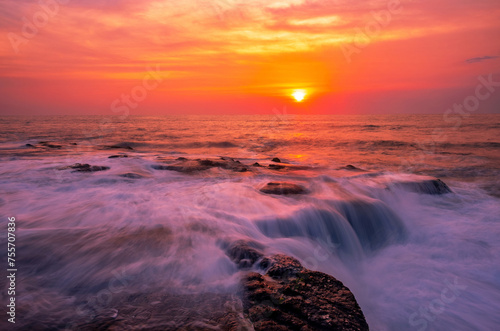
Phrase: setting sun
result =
(299, 95)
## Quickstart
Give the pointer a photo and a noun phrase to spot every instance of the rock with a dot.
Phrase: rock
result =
(283, 266)
(181, 158)
(350, 167)
(29, 145)
(282, 188)
(131, 175)
(428, 186)
(163, 310)
(256, 164)
(291, 297)
(190, 166)
(49, 145)
(276, 166)
(118, 146)
(117, 156)
(244, 253)
(276, 160)
(78, 167)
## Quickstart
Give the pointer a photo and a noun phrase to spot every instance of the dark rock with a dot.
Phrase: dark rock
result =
(350, 167)
(208, 163)
(181, 158)
(276, 160)
(427, 186)
(244, 253)
(118, 146)
(283, 266)
(131, 175)
(190, 166)
(78, 167)
(117, 156)
(164, 311)
(282, 188)
(49, 145)
(256, 164)
(29, 145)
(276, 166)
(291, 297)
(74, 144)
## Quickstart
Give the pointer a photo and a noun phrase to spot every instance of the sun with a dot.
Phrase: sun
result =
(299, 95)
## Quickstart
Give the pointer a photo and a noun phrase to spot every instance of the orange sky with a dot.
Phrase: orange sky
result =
(235, 56)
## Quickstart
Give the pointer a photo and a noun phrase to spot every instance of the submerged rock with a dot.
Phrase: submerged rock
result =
(49, 145)
(276, 166)
(277, 160)
(432, 186)
(291, 297)
(79, 167)
(118, 146)
(164, 311)
(282, 188)
(131, 175)
(117, 156)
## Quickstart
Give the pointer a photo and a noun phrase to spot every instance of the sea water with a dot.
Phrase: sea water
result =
(414, 261)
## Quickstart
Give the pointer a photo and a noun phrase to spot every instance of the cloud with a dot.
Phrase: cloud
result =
(481, 59)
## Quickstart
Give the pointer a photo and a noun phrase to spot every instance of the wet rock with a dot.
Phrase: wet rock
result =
(29, 145)
(49, 145)
(256, 164)
(276, 166)
(79, 167)
(118, 146)
(350, 167)
(276, 160)
(117, 156)
(131, 175)
(190, 166)
(165, 311)
(282, 188)
(244, 253)
(291, 297)
(428, 186)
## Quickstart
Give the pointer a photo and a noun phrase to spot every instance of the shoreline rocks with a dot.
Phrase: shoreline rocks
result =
(433, 186)
(350, 167)
(282, 188)
(291, 297)
(288, 296)
(189, 166)
(79, 167)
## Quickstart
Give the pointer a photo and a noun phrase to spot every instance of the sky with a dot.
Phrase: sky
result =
(157, 57)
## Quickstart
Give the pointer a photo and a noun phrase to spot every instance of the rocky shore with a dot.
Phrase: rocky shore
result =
(276, 293)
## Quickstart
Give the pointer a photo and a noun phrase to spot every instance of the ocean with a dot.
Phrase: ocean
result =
(86, 240)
